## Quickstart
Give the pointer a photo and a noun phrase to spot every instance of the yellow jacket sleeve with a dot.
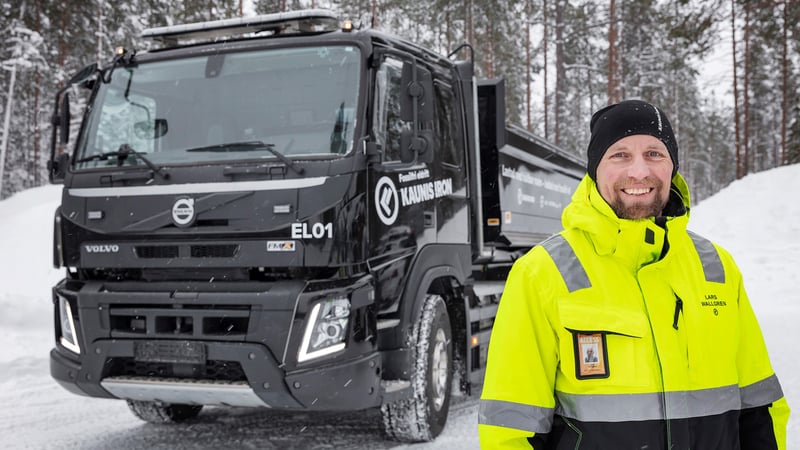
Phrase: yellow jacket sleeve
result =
(517, 400)
(765, 412)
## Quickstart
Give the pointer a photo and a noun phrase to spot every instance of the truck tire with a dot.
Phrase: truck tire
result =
(422, 417)
(161, 413)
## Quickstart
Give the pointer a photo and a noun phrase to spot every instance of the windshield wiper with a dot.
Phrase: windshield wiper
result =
(249, 146)
(122, 153)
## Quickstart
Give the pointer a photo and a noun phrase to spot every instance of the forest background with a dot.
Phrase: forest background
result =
(561, 59)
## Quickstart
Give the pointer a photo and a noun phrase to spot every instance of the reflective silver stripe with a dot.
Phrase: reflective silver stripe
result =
(568, 264)
(653, 406)
(515, 415)
(761, 393)
(702, 402)
(610, 407)
(197, 188)
(712, 265)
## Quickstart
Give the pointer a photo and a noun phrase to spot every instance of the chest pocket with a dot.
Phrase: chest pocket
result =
(602, 345)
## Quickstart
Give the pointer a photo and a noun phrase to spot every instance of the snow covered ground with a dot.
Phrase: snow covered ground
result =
(757, 219)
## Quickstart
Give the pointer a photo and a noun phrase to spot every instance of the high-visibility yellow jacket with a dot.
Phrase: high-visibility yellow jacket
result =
(628, 334)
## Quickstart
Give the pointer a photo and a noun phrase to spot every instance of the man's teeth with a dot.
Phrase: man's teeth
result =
(636, 191)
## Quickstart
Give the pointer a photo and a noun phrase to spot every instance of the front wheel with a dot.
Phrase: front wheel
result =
(423, 417)
(160, 413)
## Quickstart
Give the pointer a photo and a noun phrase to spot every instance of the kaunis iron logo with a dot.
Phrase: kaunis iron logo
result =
(386, 201)
(183, 212)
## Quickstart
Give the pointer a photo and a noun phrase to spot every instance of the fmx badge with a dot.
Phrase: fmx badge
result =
(280, 246)
(386, 203)
(183, 212)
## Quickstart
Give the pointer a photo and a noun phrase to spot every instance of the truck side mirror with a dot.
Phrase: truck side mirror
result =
(416, 148)
(64, 118)
(58, 168)
(60, 121)
(57, 165)
(151, 130)
(417, 86)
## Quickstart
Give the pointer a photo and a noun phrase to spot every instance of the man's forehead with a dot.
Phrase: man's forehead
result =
(650, 141)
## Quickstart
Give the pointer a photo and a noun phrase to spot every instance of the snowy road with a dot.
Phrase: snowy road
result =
(44, 416)
(752, 218)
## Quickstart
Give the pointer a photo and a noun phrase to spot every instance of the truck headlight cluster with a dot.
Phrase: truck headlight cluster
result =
(326, 329)
(69, 339)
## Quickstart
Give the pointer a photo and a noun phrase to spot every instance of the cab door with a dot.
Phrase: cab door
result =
(402, 196)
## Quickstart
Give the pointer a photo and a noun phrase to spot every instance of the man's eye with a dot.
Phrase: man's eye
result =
(656, 154)
(617, 155)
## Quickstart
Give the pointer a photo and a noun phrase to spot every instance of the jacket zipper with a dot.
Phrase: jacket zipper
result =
(678, 309)
(662, 394)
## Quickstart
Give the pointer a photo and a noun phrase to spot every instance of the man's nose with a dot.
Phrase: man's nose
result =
(638, 168)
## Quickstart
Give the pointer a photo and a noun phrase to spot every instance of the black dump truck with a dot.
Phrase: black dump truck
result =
(285, 211)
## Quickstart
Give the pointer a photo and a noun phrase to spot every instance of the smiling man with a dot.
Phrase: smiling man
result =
(677, 360)
(634, 176)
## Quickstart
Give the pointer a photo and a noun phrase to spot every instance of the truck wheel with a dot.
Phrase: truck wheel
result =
(160, 413)
(422, 417)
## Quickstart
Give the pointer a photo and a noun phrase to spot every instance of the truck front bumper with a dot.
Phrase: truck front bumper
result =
(231, 344)
(346, 385)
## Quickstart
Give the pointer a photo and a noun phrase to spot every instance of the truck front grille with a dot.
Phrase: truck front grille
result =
(227, 323)
(156, 251)
(212, 370)
(193, 251)
(214, 251)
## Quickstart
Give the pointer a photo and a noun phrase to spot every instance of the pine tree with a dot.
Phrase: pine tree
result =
(23, 59)
(764, 74)
(581, 82)
(657, 47)
(793, 100)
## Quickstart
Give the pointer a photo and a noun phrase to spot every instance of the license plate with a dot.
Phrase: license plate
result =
(170, 352)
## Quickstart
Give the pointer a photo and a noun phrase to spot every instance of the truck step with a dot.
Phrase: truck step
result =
(183, 391)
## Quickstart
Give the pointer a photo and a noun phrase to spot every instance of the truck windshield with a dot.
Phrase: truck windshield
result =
(297, 101)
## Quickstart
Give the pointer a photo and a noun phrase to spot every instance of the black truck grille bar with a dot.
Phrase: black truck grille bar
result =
(226, 323)
(194, 251)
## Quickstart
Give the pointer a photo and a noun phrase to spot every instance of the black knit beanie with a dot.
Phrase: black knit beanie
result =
(624, 119)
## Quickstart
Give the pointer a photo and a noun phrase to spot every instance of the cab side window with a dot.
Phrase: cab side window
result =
(387, 123)
(448, 126)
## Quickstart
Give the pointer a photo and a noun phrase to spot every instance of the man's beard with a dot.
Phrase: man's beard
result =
(639, 210)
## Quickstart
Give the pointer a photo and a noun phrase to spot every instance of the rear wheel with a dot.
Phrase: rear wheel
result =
(422, 417)
(161, 413)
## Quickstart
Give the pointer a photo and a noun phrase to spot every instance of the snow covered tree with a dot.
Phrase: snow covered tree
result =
(657, 47)
(23, 61)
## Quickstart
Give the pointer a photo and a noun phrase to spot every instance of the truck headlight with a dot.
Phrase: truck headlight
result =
(326, 329)
(69, 339)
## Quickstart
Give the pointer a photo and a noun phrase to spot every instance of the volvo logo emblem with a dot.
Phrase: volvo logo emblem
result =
(183, 212)
(386, 202)
(104, 248)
